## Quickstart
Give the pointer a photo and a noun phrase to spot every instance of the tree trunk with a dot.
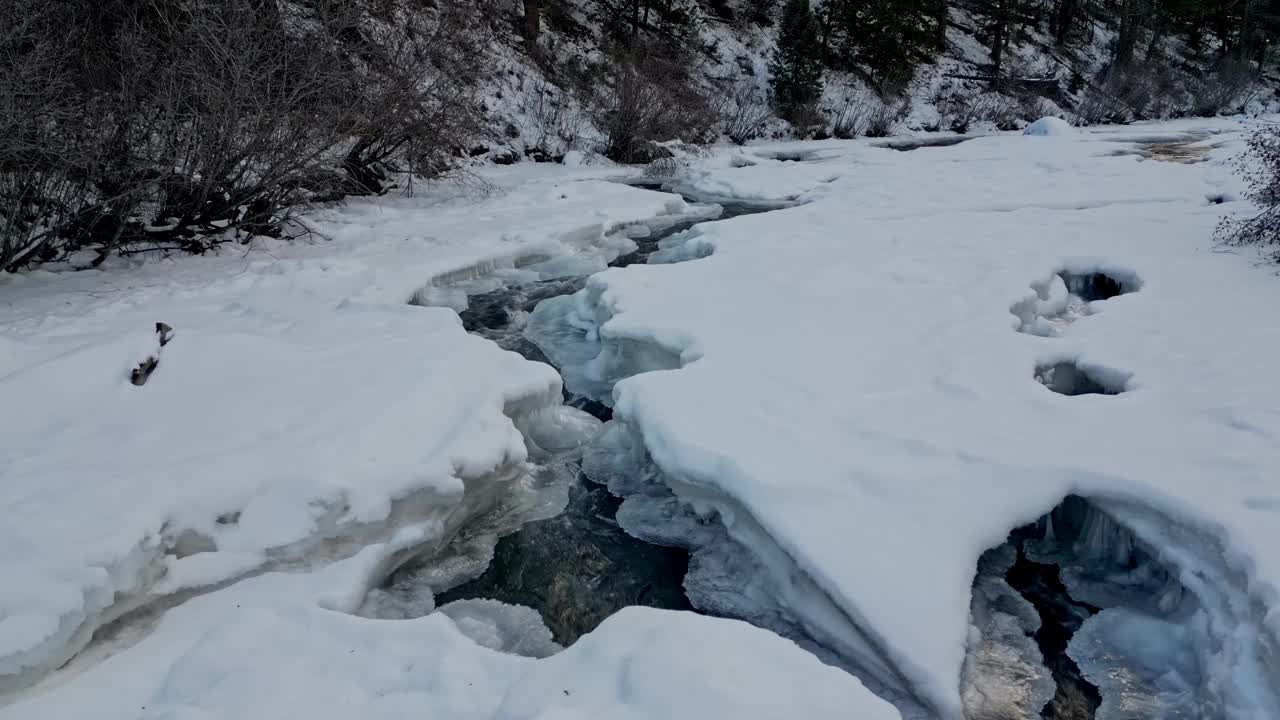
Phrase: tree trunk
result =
(1130, 26)
(940, 24)
(1064, 17)
(999, 29)
(532, 24)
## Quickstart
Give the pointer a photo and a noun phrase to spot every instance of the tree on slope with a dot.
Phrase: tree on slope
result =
(795, 70)
(884, 40)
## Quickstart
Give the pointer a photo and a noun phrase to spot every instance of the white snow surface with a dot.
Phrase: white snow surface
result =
(1049, 126)
(305, 419)
(849, 378)
(845, 377)
(284, 646)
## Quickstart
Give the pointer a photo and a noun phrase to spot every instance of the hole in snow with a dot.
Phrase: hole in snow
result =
(578, 568)
(1064, 611)
(191, 542)
(916, 144)
(1067, 296)
(790, 155)
(1094, 286)
(1220, 198)
(1070, 378)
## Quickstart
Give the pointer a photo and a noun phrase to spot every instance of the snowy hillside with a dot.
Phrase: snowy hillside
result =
(538, 111)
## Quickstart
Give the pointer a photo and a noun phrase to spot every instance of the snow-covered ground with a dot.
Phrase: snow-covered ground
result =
(842, 383)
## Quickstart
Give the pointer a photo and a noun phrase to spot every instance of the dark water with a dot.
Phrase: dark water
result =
(580, 567)
(1060, 618)
(909, 145)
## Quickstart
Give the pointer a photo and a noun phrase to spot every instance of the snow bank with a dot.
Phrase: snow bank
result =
(644, 663)
(301, 411)
(843, 386)
(280, 645)
(257, 441)
(1047, 126)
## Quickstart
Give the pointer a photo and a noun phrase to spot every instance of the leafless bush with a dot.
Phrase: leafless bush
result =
(143, 124)
(999, 110)
(555, 122)
(39, 185)
(886, 115)
(744, 112)
(1033, 107)
(1119, 97)
(1139, 92)
(1225, 87)
(960, 112)
(651, 99)
(1260, 168)
(851, 116)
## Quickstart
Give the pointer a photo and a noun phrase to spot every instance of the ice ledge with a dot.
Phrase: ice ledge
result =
(292, 485)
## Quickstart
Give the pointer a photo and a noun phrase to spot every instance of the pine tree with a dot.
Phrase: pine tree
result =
(795, 69)
(884, 40)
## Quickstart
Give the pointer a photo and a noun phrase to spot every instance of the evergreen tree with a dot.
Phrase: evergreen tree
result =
(795, 69)
(1000, 21)
(633, 21)
(883, 39)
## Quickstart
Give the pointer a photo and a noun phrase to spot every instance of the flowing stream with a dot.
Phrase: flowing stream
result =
(578, 567)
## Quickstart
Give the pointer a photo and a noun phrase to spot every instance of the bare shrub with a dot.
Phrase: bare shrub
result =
(39, 183)
(651, 98)
(1119, 97)
(999, 110)
(852, 113)
(744, 112)
(959, 112)
(555, 122)
(807, 120)
(166, 124)
(886, 115)
(1139, 92)
(1260, 168)
(1224, 88)
(1033, 107)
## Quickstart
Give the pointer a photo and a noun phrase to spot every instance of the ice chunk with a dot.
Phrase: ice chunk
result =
(557, 429)
(1178, 635)
(506, 628)
(1144, 667)
(568, 342)
(1004, 674)
(574, 265)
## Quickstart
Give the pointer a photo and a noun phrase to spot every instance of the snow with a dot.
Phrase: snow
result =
(301, 409)
(281, 645)
(854, 404)
(831, 405)
(1049, 126)
(306, 422)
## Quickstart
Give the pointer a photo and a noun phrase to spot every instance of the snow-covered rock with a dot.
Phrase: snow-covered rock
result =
(1049, 126)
